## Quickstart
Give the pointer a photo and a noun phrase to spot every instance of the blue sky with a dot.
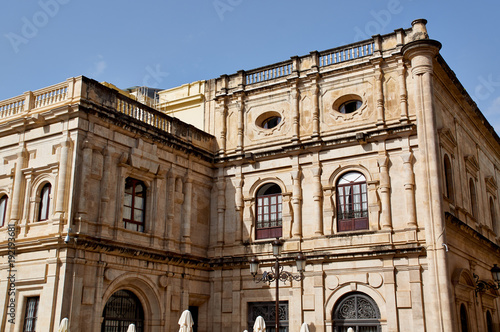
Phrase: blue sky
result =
(168, 43)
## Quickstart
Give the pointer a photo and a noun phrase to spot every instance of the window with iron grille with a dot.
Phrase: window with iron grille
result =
(122, 309)
(268, 311)
(357, 311)
(30, 314)
(43, 208)
(268, 212)
(134, 206)
(352, 202)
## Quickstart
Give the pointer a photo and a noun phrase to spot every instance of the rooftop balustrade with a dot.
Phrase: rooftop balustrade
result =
(89, 92)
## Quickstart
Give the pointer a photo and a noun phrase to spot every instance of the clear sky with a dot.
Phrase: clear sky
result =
(166, 43)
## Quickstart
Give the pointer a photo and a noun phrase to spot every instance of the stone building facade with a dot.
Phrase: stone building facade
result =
(370, 159)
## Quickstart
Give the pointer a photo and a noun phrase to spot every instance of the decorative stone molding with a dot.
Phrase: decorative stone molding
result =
(472, 166)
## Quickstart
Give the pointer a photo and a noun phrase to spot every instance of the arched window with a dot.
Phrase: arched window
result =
(122, 309)
(493, 215)
(464, 321)
(473, 198)
(268, 212)
(3, 209)
(489, 322)
(449, 189)
(134, 206)
(357, 311)
(44, 206)
(352, 202)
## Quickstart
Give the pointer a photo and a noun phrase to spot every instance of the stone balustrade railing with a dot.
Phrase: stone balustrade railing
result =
(50, 95)
(34, 100)
(320, 59)
(346, 53)
(269, 72)
(11, 107)
(82, 89)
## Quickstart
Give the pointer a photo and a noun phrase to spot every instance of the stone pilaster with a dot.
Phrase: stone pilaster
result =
(62, 178)
(315, 108)
(85, 172)
(238, 220)
(296, 203)
(385, 192)
(421, 53)
(241, 121)
(17, 195)
(318, 199)
(409, 185)
(187, 212)
(379, 92)
(294, 106)
(221, 206)
(403, 95)
(222, 124)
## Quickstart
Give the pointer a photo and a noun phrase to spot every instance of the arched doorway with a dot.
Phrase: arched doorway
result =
(122, 309)
(357, 311)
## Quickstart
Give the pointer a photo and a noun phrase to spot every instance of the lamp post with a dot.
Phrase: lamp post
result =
(277, 273)
(482, 285)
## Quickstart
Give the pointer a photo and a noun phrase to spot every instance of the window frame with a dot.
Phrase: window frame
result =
(44, 208)
(345, 107)
(128, 222)
(271, 122)
(473, 199)
(464, 318)
(354, 223)
(448, 179)
(356, 322)
(34, 317)
(121, 321)
(493, 214)
(4, 199)
(266, 229)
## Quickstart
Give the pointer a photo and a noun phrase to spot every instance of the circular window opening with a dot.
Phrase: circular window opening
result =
(350, 106)
(269, 120)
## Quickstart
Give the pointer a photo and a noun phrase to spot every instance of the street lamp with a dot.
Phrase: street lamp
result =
(482, 285)
(277, 273)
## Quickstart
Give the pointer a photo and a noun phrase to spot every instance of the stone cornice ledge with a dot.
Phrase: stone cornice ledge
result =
(460, 225)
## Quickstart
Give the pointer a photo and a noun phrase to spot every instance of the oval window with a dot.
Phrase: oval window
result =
(350, 106)
(271, 122)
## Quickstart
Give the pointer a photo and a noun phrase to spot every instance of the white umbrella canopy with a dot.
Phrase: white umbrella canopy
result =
(131, 328)
(259, 325)
(186, 322)
(304, 328)
(64, 326)
(350, 329)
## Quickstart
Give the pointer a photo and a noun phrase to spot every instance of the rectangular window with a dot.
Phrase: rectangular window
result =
(30, 314)
(269, 216)
(268, 311)
(134, 205)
